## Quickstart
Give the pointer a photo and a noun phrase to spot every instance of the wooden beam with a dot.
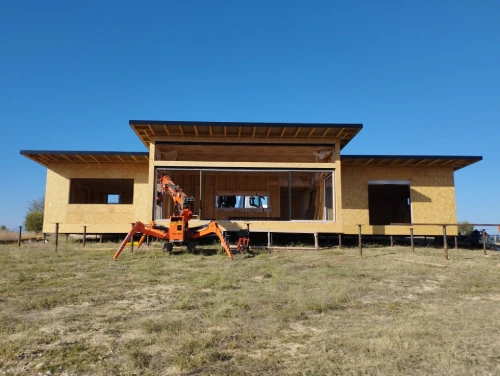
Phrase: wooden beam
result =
(393, 162)
(268, 132)
(225, 131)
(297, 132)
(196, 130)
(108, 158)
(325, 132)
(283, 132)
(408, 161)
(182, 131)
(166, 130)
(422, 161)
(80, 158)
(369, 160)
(239, 131)
(66, 158)
(311, 132)
(151, 129)
(253, 132)
(94, 158)
(210, 129)
(339, 132)
(134, 158)
(436, 161)
(121, 159)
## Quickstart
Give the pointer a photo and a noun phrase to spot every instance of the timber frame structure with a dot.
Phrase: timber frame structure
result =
(279, 177)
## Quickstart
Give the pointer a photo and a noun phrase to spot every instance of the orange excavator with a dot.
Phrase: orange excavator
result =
(178, 233)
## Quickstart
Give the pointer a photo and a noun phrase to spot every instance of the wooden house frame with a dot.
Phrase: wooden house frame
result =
(278, 177)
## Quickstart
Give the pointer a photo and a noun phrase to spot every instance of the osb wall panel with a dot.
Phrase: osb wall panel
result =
(432, 192)
(57, 209)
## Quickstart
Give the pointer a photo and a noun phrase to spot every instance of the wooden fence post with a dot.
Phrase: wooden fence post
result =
(445, 244)
(19, 236)
(359, 241)
(484, 242)
(57, 235)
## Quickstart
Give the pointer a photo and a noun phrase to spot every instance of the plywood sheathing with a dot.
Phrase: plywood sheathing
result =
(57, 209)
(432, 197)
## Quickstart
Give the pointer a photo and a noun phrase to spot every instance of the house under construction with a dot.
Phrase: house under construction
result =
(278, 177)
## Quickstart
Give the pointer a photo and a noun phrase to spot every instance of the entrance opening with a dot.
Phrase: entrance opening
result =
(389, 202)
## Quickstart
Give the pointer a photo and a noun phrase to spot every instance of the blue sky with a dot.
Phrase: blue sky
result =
(422, 76)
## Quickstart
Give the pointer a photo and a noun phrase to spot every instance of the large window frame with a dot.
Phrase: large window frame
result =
(286, 174)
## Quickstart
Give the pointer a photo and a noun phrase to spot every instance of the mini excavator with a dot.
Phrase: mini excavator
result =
(178, 233)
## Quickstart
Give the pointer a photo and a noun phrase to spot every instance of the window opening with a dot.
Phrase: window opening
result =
(389, 203)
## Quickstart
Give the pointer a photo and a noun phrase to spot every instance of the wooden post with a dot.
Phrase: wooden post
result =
(340, 241)
(132, 241)
(411, 240)
(392, 241)
(484, 242)
(268, 239)
(100, 239)
(57, 235)
(289, 195)
(445, 244)
(84, 235)
(44, 237)
(359, 241)
(147, 240)
(201, 194)
(456, 242)
(19, 236)
(67, 238)
(316, 240)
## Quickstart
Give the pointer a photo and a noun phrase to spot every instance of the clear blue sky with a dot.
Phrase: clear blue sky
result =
(422, 76)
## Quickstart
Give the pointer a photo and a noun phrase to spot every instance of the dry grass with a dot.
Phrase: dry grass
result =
(12, 236)
(322, 312)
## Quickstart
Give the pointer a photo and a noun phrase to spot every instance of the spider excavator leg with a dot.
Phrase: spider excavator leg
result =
(213, 228)
(139, 227)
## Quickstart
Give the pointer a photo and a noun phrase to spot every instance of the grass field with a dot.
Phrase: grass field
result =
(324, 312)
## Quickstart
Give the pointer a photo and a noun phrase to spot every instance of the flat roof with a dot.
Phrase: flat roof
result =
(455, 161)
(145, 129)
(44, 157)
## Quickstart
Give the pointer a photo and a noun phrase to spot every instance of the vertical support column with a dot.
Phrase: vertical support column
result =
(445, 244)
(456, 242)
(44, 237)
(392, 241)
(411, 240)
(201, 194)
(340, 241)
(57, 236)
(67, 238)
(484, 241)
(132, 241)
(147, 240)
(19, 236)
(84, 235)
(268, 239)
(359, 241)
(289, 195)
(316, 245)
(100, 239)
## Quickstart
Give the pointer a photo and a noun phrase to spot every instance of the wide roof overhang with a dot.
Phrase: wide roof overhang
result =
(147, 129)
(45, 157)
(456, 162)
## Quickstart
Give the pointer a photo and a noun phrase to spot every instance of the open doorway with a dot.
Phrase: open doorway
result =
(389, 202)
